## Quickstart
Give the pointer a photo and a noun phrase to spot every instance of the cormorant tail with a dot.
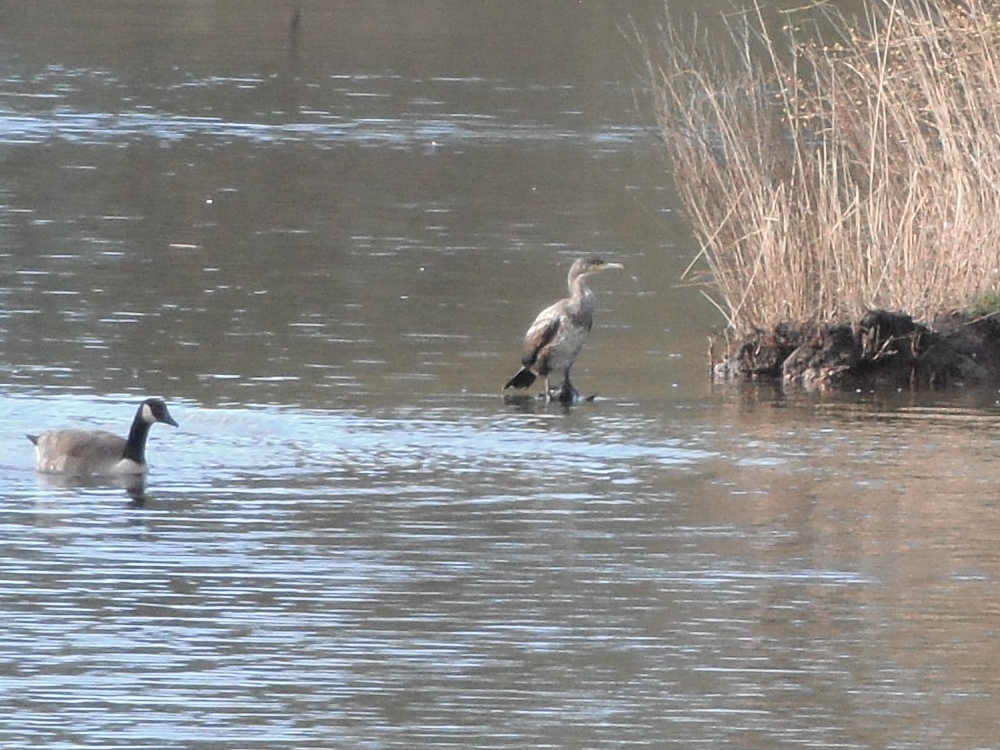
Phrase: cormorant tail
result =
(523, 379)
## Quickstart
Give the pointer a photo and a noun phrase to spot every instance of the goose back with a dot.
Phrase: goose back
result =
(83, 452)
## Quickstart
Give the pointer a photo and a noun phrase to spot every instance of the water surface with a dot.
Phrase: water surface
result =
(322, 244)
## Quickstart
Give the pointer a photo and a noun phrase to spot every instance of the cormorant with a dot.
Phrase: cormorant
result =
(558, 333)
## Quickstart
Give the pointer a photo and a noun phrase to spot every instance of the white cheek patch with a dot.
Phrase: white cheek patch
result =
(147, 414)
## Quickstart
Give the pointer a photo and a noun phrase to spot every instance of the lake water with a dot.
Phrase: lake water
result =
(321, 242)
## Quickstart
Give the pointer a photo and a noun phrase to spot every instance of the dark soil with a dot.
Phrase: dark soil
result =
(884, 349)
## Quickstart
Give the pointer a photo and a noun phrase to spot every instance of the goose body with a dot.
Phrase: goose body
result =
(558, 333)
(97, 452)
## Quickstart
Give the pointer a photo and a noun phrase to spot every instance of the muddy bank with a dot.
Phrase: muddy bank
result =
(884, 349)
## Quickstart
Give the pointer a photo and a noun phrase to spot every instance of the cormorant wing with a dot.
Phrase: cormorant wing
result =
(541, 334)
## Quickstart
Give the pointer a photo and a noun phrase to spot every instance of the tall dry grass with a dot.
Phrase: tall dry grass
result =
(824, 180)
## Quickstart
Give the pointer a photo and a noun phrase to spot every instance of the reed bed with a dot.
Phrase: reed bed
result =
(825, 179)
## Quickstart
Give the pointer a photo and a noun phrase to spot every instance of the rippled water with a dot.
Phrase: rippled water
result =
(480, 575)
(324, 258)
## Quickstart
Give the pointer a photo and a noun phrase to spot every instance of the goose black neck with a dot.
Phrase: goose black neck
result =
(135, 445)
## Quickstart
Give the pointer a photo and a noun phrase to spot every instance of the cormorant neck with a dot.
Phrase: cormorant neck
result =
(135, 445)
(578, 288)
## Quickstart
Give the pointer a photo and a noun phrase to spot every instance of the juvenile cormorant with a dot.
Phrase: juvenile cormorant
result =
(558, 333)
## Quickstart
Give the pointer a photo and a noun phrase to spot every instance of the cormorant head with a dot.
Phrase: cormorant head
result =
(588, 266)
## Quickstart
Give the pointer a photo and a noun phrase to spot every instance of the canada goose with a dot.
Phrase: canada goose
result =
(558, 333)
(100, 453)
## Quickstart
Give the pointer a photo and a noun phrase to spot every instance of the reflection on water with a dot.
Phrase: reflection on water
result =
(423, 128)
(326, 257)
(473, 573)
(134, 485)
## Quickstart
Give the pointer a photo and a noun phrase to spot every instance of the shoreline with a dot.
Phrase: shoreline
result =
(883, 350)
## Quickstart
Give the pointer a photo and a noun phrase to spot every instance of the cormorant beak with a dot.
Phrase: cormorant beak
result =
(612, 265)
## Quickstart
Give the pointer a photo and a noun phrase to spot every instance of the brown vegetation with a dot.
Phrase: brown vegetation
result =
(826, 180)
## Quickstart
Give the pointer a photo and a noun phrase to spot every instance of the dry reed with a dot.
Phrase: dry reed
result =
(822, 181)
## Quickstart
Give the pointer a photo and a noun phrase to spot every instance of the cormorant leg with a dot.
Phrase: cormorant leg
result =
(567, 393)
